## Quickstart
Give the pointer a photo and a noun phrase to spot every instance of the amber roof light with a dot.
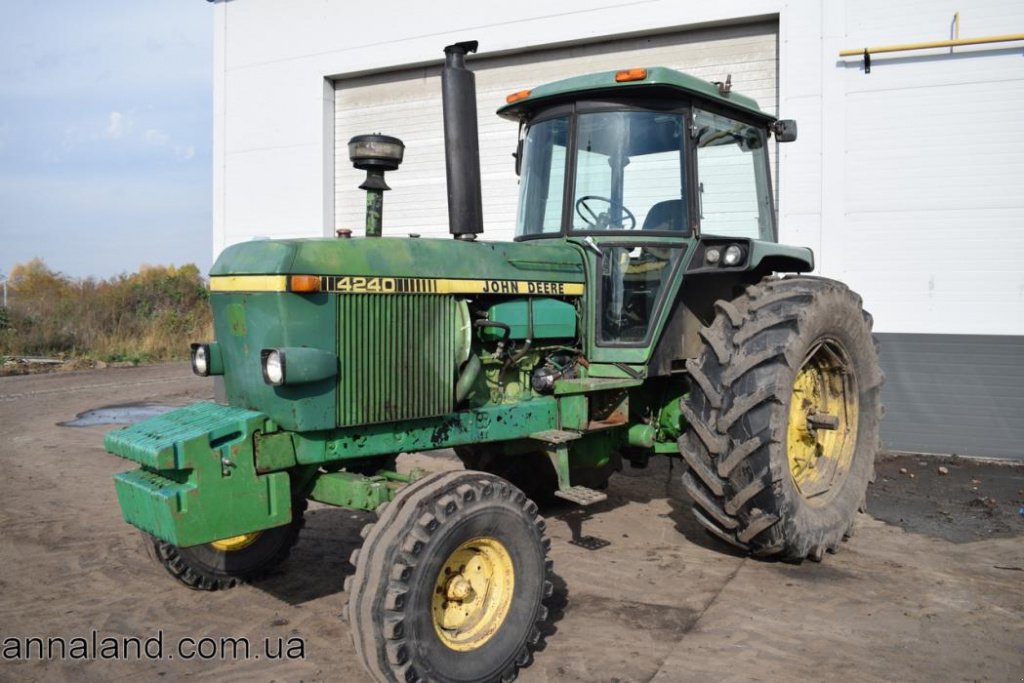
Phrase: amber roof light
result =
(630, 75)
(516, 96)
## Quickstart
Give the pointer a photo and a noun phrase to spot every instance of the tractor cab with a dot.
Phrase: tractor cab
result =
(639, 168)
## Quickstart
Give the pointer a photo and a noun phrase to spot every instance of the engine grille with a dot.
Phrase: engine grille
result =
(397, 357)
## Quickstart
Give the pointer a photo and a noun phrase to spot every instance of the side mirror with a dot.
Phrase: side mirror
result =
(784, 130)
(519, 148)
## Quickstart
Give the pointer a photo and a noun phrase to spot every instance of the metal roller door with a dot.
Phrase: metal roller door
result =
(407, 104)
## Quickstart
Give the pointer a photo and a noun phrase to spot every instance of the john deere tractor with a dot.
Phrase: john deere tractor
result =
(639, 311)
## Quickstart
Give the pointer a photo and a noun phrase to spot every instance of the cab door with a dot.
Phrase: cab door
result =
(631, 285)
(631, 209)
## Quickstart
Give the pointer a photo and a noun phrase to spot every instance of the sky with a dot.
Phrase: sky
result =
(105, 134)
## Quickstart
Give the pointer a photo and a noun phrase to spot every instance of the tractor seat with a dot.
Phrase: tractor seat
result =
(667, 215)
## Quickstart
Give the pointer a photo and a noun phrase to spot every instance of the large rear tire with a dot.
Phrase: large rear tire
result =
(450, 581)
(784, 409)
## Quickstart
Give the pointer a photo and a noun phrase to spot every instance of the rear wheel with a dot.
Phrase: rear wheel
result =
(229, 562)
(784, 409)
(450, 581)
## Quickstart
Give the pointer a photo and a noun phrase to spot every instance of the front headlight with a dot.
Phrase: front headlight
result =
(291, 365)
(273, 367)
(713, 255)
(206, 359)
(732, 256)
(201, 361)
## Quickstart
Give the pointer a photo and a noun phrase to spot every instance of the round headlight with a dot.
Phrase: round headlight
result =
(273, 368)
(712, 255)
(733, 255)
(201, 361)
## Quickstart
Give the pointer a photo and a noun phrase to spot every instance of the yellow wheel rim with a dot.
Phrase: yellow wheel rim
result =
(472, 593)
(234, 543)
(822, 429)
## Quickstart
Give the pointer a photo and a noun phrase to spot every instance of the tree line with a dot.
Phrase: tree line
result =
(149, 315)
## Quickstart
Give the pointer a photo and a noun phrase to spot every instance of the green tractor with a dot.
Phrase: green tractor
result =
(639, 311)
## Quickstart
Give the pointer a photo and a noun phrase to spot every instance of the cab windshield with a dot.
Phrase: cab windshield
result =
(629, 174)
(627, 171)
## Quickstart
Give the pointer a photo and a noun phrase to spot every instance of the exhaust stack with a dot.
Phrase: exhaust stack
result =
(461, 143)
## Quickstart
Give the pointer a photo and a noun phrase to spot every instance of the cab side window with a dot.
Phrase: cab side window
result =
(732, 170)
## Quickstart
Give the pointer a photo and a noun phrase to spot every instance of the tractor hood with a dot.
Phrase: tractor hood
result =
(404, 258)
(369, 328)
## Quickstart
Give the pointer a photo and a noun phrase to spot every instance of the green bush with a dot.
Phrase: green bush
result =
(149, 315)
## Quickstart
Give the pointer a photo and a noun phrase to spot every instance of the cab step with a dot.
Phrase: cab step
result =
(555, 436)
(581, 495)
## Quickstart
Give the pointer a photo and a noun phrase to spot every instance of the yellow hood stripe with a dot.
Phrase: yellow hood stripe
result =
(349, 284)
(249, 283)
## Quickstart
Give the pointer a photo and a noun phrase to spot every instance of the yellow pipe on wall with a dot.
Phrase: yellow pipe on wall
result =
(904, 47)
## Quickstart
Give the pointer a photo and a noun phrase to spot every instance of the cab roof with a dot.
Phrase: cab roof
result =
(659, 82)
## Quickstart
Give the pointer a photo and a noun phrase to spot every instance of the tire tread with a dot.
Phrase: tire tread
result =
(733, 456)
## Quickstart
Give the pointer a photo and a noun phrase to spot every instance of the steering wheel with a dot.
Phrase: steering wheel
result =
(600, 220)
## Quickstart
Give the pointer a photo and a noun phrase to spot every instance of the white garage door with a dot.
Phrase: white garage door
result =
(407, 105)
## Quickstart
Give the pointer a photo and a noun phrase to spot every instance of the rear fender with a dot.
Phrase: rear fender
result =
(769, 257)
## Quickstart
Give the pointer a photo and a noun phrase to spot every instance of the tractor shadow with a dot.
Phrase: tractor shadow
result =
(319, 562)
(557, 605)
(660, 480)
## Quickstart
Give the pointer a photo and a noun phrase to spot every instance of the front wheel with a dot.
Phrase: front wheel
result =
(230, 562)
(784, 410)
(450, 581)
(532, 473)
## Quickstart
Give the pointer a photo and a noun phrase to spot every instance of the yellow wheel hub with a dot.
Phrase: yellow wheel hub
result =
(822, 430)
(473, 593)
(229, 545)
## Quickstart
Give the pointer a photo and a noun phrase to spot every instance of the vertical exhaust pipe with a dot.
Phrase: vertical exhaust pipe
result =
(461, 143)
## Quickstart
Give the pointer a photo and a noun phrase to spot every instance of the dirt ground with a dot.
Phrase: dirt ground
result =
(932, 588)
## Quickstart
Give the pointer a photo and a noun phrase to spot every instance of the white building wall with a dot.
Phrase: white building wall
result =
(903, 214)
(273, 61)
(933, 144)
(907, 182)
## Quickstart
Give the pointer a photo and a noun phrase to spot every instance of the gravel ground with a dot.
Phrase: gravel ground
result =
(930, 588)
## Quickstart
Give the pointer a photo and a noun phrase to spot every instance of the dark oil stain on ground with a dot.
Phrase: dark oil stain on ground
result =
(973, 500)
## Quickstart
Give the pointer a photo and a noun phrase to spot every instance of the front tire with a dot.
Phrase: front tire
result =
(450, 581)
(784, 410)
(532, 473)
(232, 561)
